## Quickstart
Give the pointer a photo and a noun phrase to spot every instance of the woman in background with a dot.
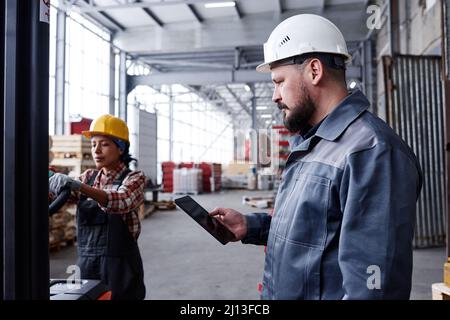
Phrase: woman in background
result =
(108, 199)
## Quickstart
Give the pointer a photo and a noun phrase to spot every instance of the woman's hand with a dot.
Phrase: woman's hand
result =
(60, 181)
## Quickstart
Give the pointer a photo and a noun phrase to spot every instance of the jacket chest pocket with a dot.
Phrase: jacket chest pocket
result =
(305, 214)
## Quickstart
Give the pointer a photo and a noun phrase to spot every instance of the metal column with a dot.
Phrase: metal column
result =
(112, 81)
(170, 123)
(369, 73)
(446, 103)
(2, 111)
(25, 145)
(254, 119)
(60, 72)
(123, 86)
(394, 26)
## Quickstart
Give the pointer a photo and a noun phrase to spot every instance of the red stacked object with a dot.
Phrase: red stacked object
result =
(80, 126)
(211, 172)
(206, 173)
(188, 165)
(167, 181)
(217, 174)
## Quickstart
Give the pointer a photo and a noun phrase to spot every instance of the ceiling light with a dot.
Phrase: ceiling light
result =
(266, 116)
(247, 88)
(220, 4)
(353, 85)
(262, 108)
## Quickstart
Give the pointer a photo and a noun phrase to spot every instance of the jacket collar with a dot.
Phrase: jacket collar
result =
(114, 173)
(342, 116)
(336, 122)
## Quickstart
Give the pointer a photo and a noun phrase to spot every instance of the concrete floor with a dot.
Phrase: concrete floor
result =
(182, 261)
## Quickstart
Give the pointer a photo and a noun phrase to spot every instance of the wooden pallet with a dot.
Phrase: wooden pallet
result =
(164, 205)
(73, 165)
(62, 228)
(71, 155)
(70, 143)
(57, 246)
(145, 210)
(259, 202)
(185, 193)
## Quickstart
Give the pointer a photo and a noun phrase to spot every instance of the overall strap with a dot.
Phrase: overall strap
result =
(91, 180)
(118, 182)
(90, 183)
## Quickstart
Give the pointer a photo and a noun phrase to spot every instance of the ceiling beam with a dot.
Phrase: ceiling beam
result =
(278, 6)
(207, 96)
(112, 21)
(199, 78)
(239, 101)
(150, 13)
(99, 16)
(187, 63)
(214, 77)
(195, 13)
(252, 30)
(321, 5)
(238, 10)
(136, 4)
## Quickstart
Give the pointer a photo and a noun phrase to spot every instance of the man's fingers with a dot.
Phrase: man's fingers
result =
(217, 212)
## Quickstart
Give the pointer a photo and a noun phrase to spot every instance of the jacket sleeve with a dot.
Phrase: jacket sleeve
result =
(258, 225)
(378, 196)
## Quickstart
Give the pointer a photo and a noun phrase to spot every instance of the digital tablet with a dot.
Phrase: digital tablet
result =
(199, 214)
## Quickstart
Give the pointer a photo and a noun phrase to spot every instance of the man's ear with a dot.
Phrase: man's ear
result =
(316, 71)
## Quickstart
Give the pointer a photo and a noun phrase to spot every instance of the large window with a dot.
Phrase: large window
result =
(200, 131)
(87, 68)
(52, 65)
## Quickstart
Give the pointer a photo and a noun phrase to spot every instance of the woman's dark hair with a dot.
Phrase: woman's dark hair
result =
(126, 157)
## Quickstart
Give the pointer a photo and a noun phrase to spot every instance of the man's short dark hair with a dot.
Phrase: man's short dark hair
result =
(334, 64)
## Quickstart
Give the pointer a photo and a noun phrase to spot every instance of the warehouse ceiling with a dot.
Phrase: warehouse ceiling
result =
(214, 51)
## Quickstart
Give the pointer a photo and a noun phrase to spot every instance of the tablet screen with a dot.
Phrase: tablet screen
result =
(199, 214)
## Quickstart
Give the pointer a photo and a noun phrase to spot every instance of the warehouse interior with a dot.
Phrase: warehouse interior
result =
(181, 74)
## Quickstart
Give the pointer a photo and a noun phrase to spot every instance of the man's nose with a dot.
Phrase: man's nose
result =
(276, 96)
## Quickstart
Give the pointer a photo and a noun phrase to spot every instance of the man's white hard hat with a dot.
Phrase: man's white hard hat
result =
(300, 34)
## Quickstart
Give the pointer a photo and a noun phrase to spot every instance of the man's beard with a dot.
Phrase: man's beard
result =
(300, 114)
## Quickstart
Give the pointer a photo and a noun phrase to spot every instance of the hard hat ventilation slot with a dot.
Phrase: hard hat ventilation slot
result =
(284, 41)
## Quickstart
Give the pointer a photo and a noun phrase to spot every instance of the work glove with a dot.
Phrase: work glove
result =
(59, 181)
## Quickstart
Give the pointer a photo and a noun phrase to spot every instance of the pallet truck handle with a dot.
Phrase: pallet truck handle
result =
(60, 200)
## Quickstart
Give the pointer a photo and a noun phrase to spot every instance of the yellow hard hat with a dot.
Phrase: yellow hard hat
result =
(108, 125)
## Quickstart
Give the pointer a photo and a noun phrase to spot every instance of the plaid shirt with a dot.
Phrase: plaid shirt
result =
(126, 200)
